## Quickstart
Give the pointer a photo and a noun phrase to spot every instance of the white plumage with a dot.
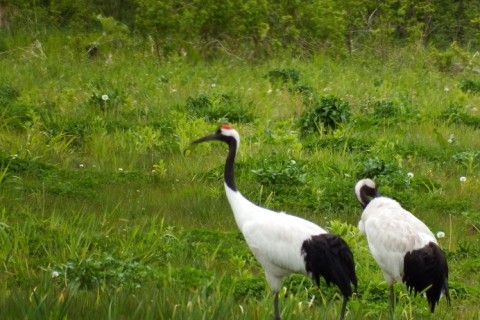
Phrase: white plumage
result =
(402, 245)
(284, 244)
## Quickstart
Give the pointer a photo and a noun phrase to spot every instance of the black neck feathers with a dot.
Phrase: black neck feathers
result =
(229, 173)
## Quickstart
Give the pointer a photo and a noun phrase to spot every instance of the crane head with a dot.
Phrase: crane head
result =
(224, 133)
(366, 190)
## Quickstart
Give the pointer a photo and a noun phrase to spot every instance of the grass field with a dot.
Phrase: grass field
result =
(107, 213)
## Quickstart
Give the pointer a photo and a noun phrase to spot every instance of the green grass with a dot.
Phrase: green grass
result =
(106, 212)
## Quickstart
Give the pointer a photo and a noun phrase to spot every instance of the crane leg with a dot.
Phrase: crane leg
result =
(344, 307)
(275, 307)
(392, 302)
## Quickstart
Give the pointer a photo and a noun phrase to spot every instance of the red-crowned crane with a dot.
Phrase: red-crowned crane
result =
(402, 245)
(284, 244)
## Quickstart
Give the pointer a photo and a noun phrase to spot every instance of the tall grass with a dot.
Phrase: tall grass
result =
(107, 212)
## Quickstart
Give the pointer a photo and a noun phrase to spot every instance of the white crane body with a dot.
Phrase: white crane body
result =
(284, 244)
(402, 245)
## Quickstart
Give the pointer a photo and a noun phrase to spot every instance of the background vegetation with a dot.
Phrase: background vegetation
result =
(105, 211)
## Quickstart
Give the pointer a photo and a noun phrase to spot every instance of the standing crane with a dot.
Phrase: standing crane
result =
(402, 245)
(284, 244)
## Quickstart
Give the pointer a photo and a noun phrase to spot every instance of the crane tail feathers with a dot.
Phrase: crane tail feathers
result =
(329, 256)
(426, 269)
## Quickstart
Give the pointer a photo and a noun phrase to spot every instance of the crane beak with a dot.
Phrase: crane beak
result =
(210, 137)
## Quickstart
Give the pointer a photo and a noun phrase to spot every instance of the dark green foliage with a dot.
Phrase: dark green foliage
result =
(470, 86)
(288, 77)
(323, 114)
(385, 172)
(8, 94)
(106, 270)
(282, 173)
(222, 107)
(457, 115)
(385, 109)
(247, 288)
(17, 166)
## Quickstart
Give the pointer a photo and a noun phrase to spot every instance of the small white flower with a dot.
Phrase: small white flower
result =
(269, 91)
(153, 171)
(105, 97)
(174, 90)
(440, 234)
(55, 274)
(14, 156)
(293, 161)
(474, 109)
(213, 85)
(463, 179)
(120, 169)
(327, 89)
(81, 165)
(410, 175)
(450, 141)
(446, 89)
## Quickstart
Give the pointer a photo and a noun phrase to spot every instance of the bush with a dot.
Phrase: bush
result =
(456, 115)
(471, 86)
(222, 107)
(323, 115)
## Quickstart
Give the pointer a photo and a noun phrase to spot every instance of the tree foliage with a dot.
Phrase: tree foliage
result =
(257, 27)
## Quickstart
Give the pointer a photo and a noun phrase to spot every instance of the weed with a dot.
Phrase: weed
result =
(287, 77)
(223, 107)
(470, 86)
(457, 115)
(323, 114)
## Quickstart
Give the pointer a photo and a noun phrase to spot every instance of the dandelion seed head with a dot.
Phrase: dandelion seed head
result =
(440, 234)
(463, 179)
(55, 274)
(410, 175)
(105, 97)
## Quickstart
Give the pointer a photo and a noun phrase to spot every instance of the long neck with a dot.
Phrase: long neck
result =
(229, 173)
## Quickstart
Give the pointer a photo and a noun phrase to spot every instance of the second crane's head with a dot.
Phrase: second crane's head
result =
(225, 133)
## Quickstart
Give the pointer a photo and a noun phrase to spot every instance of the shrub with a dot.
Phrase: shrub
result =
(222, 107)
(324, 114)
(8, 94)
(456, 115)
(469, 85)
(283, 77)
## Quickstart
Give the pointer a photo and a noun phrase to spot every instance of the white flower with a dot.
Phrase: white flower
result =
(474, 109)
(293, 161)
(450, 141)
(174, 90)
(440, 234)
(120, 169)
(55, 273)
(463, 179)
(14, 156)
(410, 175)
(213, 85)
(105, 97)
(269, 91)
(81, 165)
(446, 89)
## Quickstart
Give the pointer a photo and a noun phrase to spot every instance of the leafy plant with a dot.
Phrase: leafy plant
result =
(222, 107)
(8, 94)
(287, 173)
(456, 115)
(287, 77)
(323, 114)
(470, 86)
